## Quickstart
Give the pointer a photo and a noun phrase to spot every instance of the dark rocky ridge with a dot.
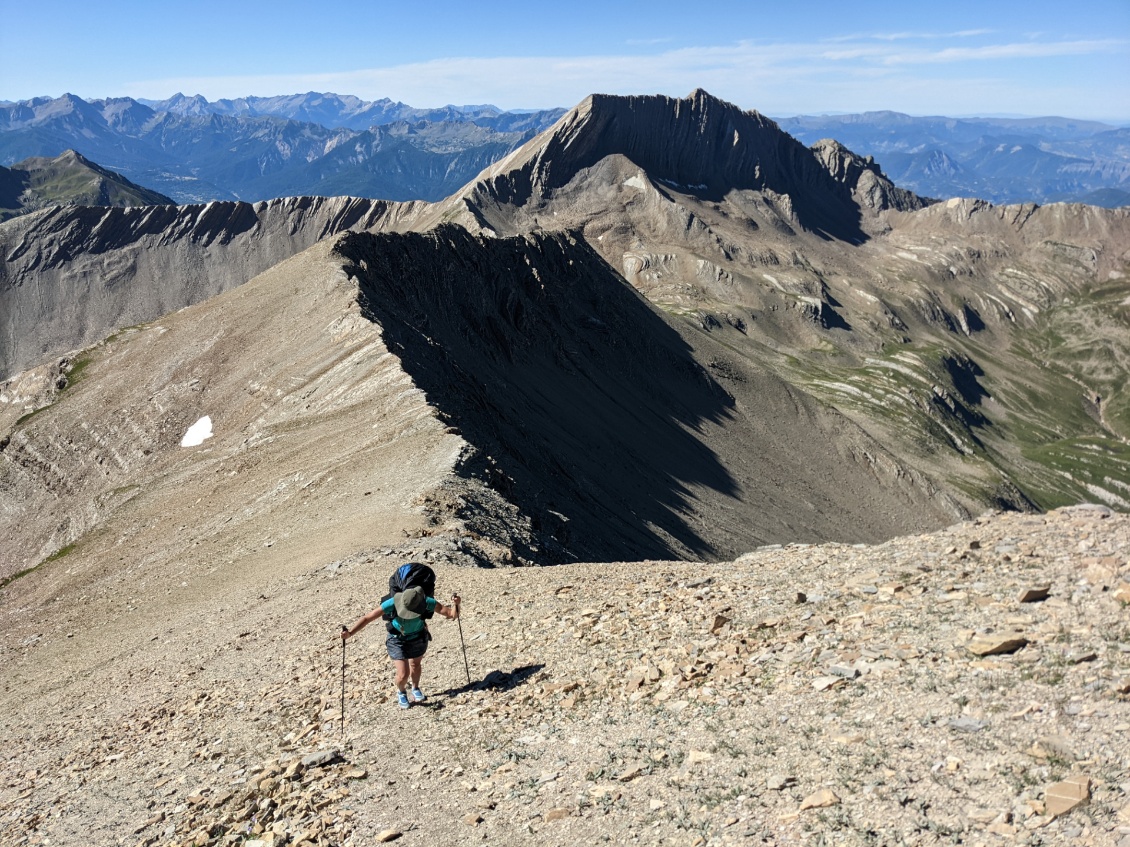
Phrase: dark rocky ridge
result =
(595, 416)
(70, 276)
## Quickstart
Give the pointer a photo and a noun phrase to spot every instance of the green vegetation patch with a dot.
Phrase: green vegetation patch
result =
(1095, 469)
(78, 369)
(58, 554)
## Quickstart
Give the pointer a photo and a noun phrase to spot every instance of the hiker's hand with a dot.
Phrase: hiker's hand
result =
(455, 600)
(344, 633)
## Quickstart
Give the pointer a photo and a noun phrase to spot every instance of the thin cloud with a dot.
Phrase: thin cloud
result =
(1023, 50)
(906, 36)
(987, 52)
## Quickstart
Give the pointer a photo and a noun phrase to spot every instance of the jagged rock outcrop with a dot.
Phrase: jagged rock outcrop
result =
(869, 186)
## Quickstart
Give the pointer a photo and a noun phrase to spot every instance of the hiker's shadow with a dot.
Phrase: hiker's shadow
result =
(497, 681)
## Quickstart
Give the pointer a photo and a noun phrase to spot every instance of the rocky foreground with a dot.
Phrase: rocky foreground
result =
(971, 686)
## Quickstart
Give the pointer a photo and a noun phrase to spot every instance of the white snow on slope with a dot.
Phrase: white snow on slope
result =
(196, 434)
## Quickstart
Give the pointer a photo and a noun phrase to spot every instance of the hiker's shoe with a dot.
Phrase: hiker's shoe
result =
(418, 695)
(402, 700)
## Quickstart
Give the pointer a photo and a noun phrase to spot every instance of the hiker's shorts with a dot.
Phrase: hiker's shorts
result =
(400, 649)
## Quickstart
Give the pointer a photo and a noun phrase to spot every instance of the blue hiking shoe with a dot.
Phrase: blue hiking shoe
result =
(402, 700)
(418, 695)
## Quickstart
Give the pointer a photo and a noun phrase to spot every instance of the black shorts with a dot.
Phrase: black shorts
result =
(400, 648)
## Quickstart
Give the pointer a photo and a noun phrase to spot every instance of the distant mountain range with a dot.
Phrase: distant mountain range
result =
(253, 149)
(256, 148)
(1041, 160)
(337, 111)
(67, 180)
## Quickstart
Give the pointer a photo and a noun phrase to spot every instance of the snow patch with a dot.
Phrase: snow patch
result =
(197, 433)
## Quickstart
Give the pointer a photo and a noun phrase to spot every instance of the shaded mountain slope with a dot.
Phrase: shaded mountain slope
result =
(67, 180)
(70, 276)
(401, 161)
(596, 417)
(534, 409)
(892, 327)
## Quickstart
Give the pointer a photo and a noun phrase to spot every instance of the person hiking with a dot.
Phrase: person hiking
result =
(406, 613)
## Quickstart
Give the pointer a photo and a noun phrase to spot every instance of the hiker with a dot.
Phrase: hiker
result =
(406, 613)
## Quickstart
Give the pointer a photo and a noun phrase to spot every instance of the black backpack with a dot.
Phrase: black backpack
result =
(411, 575)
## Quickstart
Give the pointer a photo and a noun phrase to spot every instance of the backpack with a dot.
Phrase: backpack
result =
(410, 575)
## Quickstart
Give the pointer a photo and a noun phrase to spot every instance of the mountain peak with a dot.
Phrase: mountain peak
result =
(70, 179)
(700, 144)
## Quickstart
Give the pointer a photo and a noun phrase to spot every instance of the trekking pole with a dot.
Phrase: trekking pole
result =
(344, 628)
(459, 620)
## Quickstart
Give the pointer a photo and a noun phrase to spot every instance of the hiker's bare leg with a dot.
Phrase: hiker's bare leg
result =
(416, 667)
(401, 666)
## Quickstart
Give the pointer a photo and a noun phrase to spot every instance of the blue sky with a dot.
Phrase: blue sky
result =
(783, 58)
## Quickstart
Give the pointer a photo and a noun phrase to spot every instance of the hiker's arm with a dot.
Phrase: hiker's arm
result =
(364, 622)
(451, 612)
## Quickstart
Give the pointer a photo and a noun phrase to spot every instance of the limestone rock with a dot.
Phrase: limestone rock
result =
(992, 645)
(1062, 797)
(967, 724)
(821, 799)
(1049, 746)
(696, 756)
(320, 758)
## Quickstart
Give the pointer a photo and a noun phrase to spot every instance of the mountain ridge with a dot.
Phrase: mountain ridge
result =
(614, 363)
(943, 332)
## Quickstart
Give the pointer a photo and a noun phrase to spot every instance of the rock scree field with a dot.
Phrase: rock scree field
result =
(969, 686)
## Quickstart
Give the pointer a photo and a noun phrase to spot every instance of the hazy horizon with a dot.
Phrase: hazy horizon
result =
(958, 58)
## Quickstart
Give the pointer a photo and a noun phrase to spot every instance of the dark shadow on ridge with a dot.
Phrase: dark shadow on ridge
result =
(581, 402)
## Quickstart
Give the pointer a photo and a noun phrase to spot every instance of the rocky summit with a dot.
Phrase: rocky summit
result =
(967, 686)
(741, 397)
